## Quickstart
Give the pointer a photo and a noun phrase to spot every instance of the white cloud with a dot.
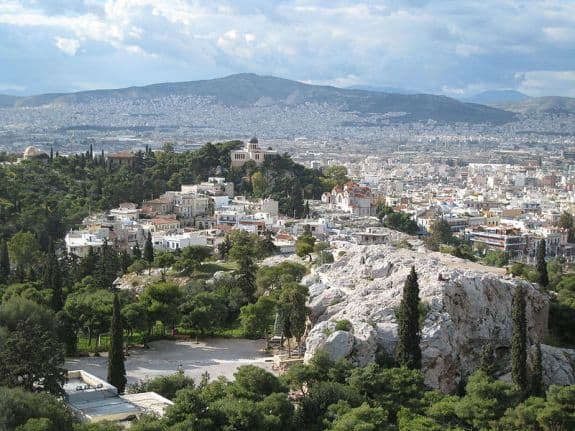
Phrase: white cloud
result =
(547, 82)
(67, 46)
(423, 44)
(11, 87)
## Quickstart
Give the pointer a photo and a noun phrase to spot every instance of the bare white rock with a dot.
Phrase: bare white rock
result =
(468, 305)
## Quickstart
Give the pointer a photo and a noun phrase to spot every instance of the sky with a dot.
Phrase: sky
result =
(452, 47)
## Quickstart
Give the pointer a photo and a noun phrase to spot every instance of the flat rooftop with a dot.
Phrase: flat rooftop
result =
(96, 400)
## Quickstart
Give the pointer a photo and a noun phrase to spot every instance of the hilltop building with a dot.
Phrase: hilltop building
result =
(251, 151)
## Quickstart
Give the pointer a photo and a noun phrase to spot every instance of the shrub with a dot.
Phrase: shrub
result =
(343, 325)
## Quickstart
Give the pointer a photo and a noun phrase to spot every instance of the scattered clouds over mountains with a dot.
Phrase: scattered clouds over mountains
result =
(448, 46)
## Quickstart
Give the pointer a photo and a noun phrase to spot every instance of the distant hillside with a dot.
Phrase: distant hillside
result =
(543, 105)
(497, 97)
(395, 90)
(246, 90)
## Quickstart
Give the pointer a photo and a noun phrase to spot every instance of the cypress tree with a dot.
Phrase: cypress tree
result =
(52, 279)
(149, 249)
(4, 262)
(487, 364)
(542, 276)
(519, 341)
(116, 367)
(408, 353)
(247, 276)
(537, 372)
(107, 267)
(136, 252)
(125, 261)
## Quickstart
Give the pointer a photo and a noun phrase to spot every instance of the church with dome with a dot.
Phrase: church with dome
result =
(33, 153)
(251, 151)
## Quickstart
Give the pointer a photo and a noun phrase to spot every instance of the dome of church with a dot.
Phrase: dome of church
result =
(254, 140)
(31, 152)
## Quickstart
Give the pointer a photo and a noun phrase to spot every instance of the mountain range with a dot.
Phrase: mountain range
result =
(497, 97)
(251, 90)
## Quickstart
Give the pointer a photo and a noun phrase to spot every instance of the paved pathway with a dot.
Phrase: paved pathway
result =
(217, 356)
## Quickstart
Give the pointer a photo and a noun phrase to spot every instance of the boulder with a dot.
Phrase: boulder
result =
(339, 345)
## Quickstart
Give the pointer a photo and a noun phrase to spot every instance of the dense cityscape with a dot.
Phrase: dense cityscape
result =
(238, 251)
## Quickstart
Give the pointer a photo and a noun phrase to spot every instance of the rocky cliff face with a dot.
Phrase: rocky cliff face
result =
(466, 306)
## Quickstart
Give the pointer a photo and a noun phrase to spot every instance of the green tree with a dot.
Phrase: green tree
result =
(486, 400)
(166, 386)
(519, 341)
(293, 311)
(255, 383)
(408, 353)
(107, 267)
(116, 366)
(258, 318)
(31, 356)
(149, 249)
(138, 266)
(135, 317)
(246, 278)
(542, 276)
(305, 243)
(537, 372)
(259, 184)
(191, 258)
(362, 418)
(337, 175)
(559, 413)
(225, 247)
(203, 312)
(487, 363)
(4, 262)
(566, 220)
(440, 234)
(52, 280)
(19, 409)
(90, 311)
(162, 301)
(136, 252)
(24, 250)
(164, 260)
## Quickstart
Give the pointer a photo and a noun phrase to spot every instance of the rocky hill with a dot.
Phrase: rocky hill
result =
(467, 305)
(245, 90)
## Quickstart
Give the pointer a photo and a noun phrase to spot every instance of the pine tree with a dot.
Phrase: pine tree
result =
(149, 249)
(537, 372)
(4, 262)
(116, 367)
(408, 353)
(487, 364)
(52, 279)
(542, 276)
(519, 341)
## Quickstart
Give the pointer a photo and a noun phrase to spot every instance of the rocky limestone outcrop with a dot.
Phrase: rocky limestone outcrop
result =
(467, 305)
